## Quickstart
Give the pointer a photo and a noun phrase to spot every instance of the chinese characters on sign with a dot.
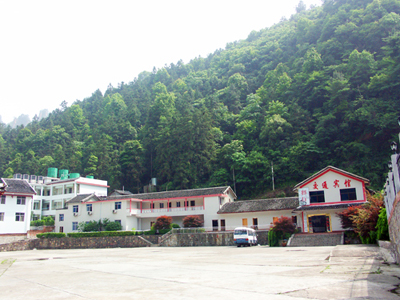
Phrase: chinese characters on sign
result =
(304, 197)
(336, 184)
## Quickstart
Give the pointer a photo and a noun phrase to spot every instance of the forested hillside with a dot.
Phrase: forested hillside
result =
(319, 89)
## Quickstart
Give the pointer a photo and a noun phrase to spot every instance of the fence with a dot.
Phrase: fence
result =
(392, 186)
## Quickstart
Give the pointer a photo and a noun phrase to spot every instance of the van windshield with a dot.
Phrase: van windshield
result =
(241, 231)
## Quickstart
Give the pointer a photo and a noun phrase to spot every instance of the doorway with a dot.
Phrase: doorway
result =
(319, 223)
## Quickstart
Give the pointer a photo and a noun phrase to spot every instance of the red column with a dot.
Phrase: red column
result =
(141, 207)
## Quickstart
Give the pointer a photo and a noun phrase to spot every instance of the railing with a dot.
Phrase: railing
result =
(392, 187)
(165, 210)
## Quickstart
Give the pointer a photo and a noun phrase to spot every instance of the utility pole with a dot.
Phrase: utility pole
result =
(234, 180)
(273, 180)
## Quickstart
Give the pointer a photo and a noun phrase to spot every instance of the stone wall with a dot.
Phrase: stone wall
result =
(77, 243)
(394, 228)
(10, 238)
(207, 239)
(321, 239)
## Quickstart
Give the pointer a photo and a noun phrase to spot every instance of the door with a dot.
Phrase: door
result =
(215, 225)
(255, 223)
(318, 223)
(244, 222)
(223, 225)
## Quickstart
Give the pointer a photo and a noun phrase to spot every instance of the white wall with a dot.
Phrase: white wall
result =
(332, 193)
(9, 225)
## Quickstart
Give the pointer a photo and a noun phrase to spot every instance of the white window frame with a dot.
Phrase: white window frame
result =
(1, 216)
(21, 200)
(19, 217)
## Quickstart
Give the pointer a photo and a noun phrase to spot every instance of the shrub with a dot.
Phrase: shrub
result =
(100, 234)
(162, 222)
(382, 232)
(346, 216)
(37, 223)
(91, 226)
(113, 226)
(174, 225)
(192, 222)
(282, 229)
(48, 221)
(49, 235)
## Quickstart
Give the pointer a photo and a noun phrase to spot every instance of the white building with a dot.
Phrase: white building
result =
(15, 206)
(139, 211)
(52, 193)
(321, 196)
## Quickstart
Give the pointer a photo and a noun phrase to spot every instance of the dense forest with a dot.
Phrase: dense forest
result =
(321, 88)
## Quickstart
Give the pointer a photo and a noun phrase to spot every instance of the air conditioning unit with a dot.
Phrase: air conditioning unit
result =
(75, 214)
(89, 213)
(114, 211)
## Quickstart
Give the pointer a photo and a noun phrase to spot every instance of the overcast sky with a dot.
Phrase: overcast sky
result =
(65, 50)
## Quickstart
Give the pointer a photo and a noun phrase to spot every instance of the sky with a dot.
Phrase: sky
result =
(53, 51)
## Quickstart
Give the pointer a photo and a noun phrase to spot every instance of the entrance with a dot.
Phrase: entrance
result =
(319, 223)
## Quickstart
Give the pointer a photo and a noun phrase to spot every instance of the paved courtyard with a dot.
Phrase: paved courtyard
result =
(341, 272)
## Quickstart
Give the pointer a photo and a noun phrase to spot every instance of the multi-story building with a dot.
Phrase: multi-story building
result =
(53, 192)
(15, 206)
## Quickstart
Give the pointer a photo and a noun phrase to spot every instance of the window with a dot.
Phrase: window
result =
(255, 223)
(36, 205)
(46, 205)
(178, 204)
(75, 208)
(89, 207)
(244, 222)
(348, 194)
(1, 216)
(3, 199)
(317, 197)
(223, 225)
(169, 204)
(61, 217)
(192, 203)
(118, 205)
(21, 200)
(74, 225)
(294, 220)
(61, 229)
(118, 221)
(19, 217)
(161, 205)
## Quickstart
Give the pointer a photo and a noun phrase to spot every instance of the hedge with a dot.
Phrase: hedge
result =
(49, 235)
(100, 233)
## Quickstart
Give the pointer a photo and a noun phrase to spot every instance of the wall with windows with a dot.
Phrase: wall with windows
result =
(334, 187)
(15, 214)
(68, 219)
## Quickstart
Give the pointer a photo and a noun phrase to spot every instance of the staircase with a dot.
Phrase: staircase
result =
(316, 239)
(150, 244)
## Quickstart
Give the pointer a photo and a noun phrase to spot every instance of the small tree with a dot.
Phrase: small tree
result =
(91, 226)
(283, 228)
(163, 222)
(346, 216)
(192, 221)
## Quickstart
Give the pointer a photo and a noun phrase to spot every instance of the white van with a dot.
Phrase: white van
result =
(244, 236)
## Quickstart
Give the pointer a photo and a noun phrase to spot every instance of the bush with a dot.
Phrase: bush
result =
(91, 226)
(37, 223)
(174, 225)
(113, 226)
(48, 221)
(192, 222)
(283, 228)
(382, 232)
(49, 235)
(162, 222)
(100, 234)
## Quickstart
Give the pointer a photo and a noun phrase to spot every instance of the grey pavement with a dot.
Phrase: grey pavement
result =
(341, 272)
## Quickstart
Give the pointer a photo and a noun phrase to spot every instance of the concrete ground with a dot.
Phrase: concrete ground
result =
(341, 272)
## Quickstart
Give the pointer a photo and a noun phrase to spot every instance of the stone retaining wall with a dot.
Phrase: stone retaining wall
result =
(327, 239)
(77, 243)
(394, 228)
(10, 238)
(207, 239)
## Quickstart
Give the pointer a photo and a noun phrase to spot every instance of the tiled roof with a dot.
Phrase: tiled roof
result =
(83, 198)
(259, 205)
(177, 194)
(297, 186)
(120, 192)
(18, 186)
(319, 207)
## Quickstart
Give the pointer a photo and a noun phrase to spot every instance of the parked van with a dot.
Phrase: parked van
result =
(244, 236)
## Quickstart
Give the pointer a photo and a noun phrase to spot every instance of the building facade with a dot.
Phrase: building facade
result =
(15, 206)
